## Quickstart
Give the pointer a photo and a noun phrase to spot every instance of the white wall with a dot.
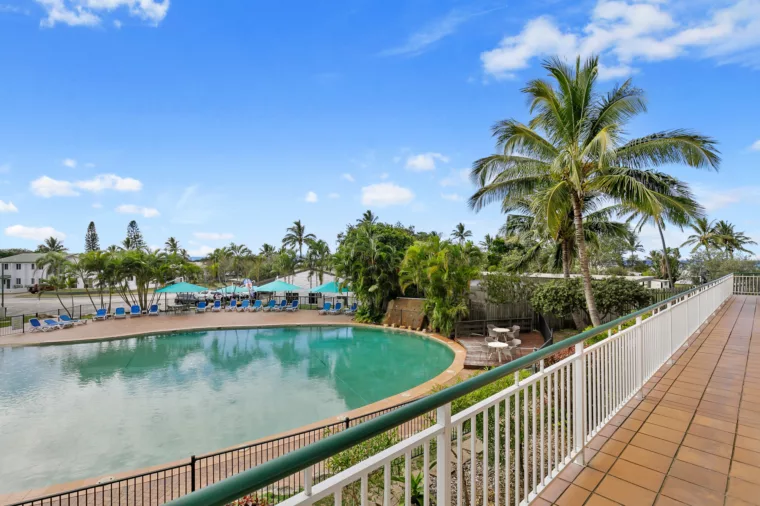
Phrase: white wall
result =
(25, 277)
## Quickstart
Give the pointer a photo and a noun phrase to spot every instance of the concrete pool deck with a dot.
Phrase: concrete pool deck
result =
(144, 325)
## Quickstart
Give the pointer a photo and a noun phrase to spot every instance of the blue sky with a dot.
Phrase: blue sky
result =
(226, 121)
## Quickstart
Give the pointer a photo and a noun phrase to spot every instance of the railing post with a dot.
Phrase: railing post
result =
(579, 404)
(307, 481)
(443, 456)
(192, 473)
(640, 357)
(670, 332)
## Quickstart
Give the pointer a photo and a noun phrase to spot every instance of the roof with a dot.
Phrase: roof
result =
(22, 258)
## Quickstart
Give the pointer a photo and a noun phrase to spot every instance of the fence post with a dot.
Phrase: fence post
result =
(640, 357)
(443, 456)
(347, 421)
(579, 404)
(670, 332)
(192, 473)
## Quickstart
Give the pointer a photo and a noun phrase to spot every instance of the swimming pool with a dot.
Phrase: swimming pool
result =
(85, 410)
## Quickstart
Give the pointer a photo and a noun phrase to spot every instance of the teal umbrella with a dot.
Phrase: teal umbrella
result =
(181, 288)
(278, 286)
(331, 287)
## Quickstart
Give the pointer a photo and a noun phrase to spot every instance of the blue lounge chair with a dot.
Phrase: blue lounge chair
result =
(100, 314)
(74, 321)
(36, 326)
(217, 306)
(232, 306)
(201, 307)
(293, 307)
(119, 313)
(270, 306)
(282, 306)
(256, 306)
(153, 311)
(336, 309)
(135, 311)
(52, 324)
(351, 310)
(244, 306)
(325, 309)
(61, 323)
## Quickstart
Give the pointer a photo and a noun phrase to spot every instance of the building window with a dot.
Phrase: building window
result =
(32, 280)
(18, 267)
(6, 267)
(18, 281)
(33, 267)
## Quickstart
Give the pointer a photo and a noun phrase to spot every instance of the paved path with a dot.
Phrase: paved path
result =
(695, 437)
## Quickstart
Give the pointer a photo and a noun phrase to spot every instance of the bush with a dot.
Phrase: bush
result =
(503, 288)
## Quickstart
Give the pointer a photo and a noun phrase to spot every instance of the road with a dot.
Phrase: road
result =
(17, 304)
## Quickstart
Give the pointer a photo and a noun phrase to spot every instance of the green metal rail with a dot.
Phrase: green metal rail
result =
(256, 478)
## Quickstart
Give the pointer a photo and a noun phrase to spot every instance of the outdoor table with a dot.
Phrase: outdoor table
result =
(497, 346)
(502, 330)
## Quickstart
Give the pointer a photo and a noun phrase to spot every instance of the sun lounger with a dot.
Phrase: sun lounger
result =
(269, 307)
(36, 326)
(282, 305)
(119, 313)
(100, 314)
(52, 324)
(217, 306)
(336, 309)
(62, 323)
(326, 308)
(201, 307)
(351, 310)
(135, 311)
(232, 306)
(293, 307)
(256, 306)
(244, 306)
(153, 311)
(74, 321)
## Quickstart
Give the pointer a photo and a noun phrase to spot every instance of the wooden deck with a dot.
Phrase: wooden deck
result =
(694, 439)
(477, 353)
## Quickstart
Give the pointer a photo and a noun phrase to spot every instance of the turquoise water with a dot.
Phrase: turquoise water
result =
(86, 410)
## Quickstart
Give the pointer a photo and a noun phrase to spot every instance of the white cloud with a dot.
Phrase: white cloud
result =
(7, 207)
(423, 39)
(97, 205)
(384, 176)
(348, 177)
(755, 145)
(147, 212)
(200, 251)
(713, 199)
(89, 12)
(457, 177)
(48, 187)
(454, 197)
(386, 194)
(424, 161)
(626, 33)
(70, 163)
(311, 197)
(334, 196)
(117, 24)
(33, 233)
(213, 236)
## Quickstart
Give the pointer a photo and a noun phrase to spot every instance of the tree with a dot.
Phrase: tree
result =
(667, 264)
(704, 236)
(574, 145)
(134, 239)
(731, 240)
(460, 233)
(172, 246)
(297, 236)
(57, 266)
(368, 217)
(52, 244)
(634, 246)
(318, 259)
(91, 241)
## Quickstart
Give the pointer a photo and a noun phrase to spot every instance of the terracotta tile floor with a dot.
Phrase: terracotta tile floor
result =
(695, 437)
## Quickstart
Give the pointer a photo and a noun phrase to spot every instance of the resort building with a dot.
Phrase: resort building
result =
(21, 271)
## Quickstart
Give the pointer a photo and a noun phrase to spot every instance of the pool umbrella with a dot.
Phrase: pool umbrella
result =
(331, 287)
(179, 288)
(278, 286)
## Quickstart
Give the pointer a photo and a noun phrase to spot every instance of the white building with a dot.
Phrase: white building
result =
(21, 271)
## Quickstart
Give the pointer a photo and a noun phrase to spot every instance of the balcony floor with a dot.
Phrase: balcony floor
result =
(695, 437)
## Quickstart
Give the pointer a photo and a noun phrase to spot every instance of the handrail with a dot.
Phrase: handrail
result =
(256, 478)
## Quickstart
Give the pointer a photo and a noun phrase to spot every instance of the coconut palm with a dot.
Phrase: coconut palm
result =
(297, 236)
(574, 144)
(317, 259)
(52, 244)
(57, 265)
(460, 233)
(367, 217)
(487, 242)
(267, 250)
(731, 240)
(172, 246)
(704, 236)
(634, 246)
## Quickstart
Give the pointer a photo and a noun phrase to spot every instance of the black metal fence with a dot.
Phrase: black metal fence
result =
(165, 484)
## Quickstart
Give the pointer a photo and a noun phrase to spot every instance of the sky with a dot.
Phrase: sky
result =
(225, 121)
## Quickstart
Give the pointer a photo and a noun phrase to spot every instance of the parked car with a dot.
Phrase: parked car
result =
(37, 288)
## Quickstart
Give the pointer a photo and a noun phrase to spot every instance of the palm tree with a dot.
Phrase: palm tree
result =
(367, 217)
(634, 246)
(487, 242)
(239, 253)
(460, 233)
(731, 240)
(297, 236)
(51, 244)
(704, 236)
(574, 145)
(57, 266)
(172, 246)
(267, 250)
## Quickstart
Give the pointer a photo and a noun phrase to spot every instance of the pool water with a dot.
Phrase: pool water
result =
(86, 410)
